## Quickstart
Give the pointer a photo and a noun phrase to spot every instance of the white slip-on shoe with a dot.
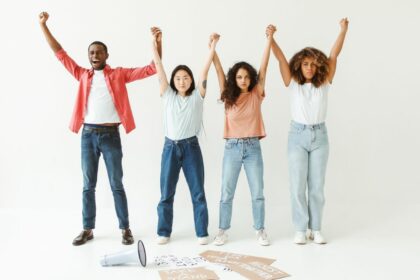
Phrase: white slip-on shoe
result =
(262, 237)
(162, 240)
(203, 240)
(300, 238)
(317, 237)
(221, 238)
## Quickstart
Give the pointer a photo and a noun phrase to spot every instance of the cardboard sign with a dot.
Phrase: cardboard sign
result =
(231, 258)
(255, 268)
(258, 271)
(196, 273)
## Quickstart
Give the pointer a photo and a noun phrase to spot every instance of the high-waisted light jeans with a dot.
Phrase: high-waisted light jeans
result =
(246, 152)
(308, 155)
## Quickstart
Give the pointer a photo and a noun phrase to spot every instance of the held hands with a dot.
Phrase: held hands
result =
(214, 38)
(344, 24)
(43, 17)
(156, 35)
(270, 30)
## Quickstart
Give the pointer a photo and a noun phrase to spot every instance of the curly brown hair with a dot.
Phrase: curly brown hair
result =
(321, 62)
(232, 91)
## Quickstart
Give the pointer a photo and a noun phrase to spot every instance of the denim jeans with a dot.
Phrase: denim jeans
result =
(97, 140)
(308, 155)
(185, 154)
(246, 151)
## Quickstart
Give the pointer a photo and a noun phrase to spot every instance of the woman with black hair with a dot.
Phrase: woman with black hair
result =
(182, 116)
(243, 92)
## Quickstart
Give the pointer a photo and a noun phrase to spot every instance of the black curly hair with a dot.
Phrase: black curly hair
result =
(232, 91)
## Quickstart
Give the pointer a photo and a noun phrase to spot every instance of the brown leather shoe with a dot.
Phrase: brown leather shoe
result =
(127, 237)
(83, 237)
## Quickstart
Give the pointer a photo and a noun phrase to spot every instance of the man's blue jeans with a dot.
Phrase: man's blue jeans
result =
(308, 155)
(246, 152)
(185, 154)
(97, 140)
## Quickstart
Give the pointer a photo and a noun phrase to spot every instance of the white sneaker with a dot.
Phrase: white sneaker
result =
(317, 237)
(262, 237)
(300, 237)
(203, 240)
(162, 240)
(221, 238)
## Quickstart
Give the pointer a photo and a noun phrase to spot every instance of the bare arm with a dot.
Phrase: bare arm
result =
(266, 56)
(159, 43)
(283, 64)
(52, 42)
(202, 83)
(220, 74)
(336, 49)
(163, 80)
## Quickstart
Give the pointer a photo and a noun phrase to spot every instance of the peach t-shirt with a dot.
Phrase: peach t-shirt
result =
(244, 119)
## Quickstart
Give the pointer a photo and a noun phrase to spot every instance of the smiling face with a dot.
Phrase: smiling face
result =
(97, 56)
(243, 79)
(308, 68)
(182, 81)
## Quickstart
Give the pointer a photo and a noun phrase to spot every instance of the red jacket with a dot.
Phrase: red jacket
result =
(115, 80)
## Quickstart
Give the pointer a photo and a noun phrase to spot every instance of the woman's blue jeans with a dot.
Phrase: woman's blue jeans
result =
(185, 154)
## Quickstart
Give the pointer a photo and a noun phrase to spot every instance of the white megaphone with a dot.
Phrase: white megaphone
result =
(137, 255)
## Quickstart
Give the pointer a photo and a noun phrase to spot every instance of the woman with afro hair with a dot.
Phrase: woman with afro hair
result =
(308, 76)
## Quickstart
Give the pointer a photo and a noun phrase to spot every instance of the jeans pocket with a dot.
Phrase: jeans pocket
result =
(194, 143)
(167, 145)
(115, 139)
(228, 145)
(295, 131)
(255, 144)
(86, 133)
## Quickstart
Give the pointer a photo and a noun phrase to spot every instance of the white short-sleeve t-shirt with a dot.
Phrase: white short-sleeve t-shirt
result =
(308, 104)
(100, 106)
(182, 116)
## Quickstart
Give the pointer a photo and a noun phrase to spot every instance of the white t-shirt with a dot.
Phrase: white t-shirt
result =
(308, 104)
(182, 116)
(100, 106)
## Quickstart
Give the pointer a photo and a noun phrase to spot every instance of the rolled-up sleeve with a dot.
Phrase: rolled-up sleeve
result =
(71, 66)
(133, 74)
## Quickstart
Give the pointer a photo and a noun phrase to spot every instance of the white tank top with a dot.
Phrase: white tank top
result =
(308, 104)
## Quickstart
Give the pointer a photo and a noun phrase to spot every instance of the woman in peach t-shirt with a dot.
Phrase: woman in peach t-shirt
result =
(243, 92)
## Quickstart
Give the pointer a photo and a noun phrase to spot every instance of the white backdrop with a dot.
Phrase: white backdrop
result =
(373, 116)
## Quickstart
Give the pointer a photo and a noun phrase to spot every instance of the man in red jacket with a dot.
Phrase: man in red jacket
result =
(102, 104)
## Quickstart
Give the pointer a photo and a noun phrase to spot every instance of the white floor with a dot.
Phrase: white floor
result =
(36, 244)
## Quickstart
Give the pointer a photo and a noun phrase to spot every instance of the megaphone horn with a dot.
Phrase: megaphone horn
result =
(137, 255)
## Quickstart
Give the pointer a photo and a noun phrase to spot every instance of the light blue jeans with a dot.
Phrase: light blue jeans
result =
(246, 151)
(308, 155)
